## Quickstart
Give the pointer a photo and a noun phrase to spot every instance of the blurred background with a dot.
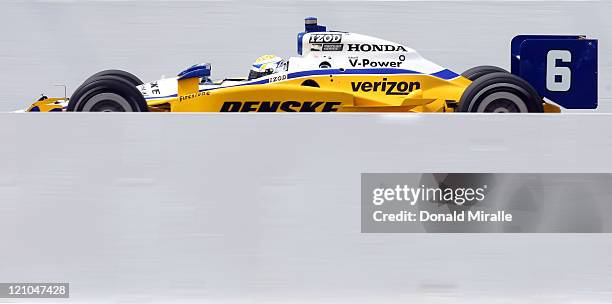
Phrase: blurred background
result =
(211, 208)
(49, 42)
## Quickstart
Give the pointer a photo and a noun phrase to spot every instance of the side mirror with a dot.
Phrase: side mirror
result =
(196, 71)
(189, 79)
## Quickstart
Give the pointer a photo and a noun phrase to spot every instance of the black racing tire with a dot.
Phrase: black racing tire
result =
(107, 94)
(118, 73)
(500, 93)
(479, 71)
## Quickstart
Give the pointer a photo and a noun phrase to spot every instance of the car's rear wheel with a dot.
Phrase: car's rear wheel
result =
(479, 71)
(500, 93)
(107, 94)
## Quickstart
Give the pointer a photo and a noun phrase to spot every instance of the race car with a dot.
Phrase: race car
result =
(347, 72)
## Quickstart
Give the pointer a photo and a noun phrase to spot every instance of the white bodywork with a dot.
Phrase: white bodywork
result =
(332, 51)
(358, 52)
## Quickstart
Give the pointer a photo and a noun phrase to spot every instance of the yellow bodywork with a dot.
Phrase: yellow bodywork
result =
(335, 93)
(47, 105)
(383, 93)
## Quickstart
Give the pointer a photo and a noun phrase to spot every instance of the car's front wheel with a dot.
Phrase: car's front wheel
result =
(107, 94)
(131, 78)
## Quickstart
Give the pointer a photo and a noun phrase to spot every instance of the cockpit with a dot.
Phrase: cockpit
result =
(267, 65)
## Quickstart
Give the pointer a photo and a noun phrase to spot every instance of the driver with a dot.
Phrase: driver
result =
(265, 65)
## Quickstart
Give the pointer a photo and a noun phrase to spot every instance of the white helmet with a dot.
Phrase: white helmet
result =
(265, 65)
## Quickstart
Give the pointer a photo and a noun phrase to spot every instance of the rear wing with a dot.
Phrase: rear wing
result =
(562, 69)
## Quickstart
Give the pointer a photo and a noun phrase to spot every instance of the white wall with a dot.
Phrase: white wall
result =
(243, 208)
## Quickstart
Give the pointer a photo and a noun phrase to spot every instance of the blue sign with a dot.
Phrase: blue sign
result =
(562, 69)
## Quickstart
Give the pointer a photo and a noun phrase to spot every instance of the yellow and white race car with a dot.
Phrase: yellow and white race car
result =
(347, 72)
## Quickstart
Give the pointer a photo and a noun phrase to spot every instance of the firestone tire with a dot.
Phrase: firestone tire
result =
(107, 94)
(500, 93)
(479, 71)
(117, 73)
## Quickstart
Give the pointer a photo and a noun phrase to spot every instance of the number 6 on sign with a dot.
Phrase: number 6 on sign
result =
(558, 79)
(562, 69)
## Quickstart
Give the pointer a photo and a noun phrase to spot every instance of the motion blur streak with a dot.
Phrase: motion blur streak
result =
(252, 208)
(64, 42)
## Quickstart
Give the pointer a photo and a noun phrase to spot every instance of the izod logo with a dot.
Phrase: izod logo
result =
(325, 38)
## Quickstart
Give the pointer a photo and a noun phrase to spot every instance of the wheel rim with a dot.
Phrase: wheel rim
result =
(502, 106)
(107, 102)
(107, 106)
(499, 102)
(498, 91)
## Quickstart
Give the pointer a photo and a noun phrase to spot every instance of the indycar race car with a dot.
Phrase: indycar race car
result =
(347, 72)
